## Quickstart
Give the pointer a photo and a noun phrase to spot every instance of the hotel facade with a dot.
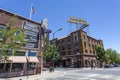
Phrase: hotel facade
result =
(77, 49)
(28, 60)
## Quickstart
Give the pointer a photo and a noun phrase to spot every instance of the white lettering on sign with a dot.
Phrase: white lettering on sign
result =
(32, 33)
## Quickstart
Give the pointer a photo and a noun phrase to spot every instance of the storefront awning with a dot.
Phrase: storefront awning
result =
(33, 59)
(18, 59)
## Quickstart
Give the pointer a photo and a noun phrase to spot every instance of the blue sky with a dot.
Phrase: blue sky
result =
(102, 15)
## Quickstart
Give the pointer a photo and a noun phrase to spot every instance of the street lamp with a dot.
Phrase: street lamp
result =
(78, 57)
(53, 60)
(56, 31)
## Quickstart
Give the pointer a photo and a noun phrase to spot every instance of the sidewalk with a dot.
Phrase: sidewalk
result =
(43, 76)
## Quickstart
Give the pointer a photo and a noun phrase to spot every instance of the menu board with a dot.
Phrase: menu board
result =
(32, 32)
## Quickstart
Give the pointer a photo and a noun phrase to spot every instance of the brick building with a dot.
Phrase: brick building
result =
(77, 49)
(28, 60)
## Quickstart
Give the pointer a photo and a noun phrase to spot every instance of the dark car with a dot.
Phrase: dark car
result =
(47, 65)
(109, 65)
(116, 65)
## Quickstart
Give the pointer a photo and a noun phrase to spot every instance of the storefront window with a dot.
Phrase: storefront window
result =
(19, 53)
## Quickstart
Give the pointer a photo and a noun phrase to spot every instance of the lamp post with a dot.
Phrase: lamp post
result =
(56, 32)
(54, 57)
(78, 57)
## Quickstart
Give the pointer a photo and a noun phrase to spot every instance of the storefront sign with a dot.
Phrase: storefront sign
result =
(32, 32)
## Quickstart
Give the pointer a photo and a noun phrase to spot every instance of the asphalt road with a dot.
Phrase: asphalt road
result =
(88, 74)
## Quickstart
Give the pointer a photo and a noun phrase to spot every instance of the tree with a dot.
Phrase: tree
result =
(113, 55)
(101, 56)
(51, 53)
(12, 39)
(100, 53)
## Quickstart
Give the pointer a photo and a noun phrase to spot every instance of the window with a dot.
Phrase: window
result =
(83, 36)
(63, 47)
(86, 51)
(84, 44)
(93, 46)
(58, 42)
(89, 45)
(1, 28)
(75, 36)
(63, 53)
(58, 48)
(68, 39)
(69, 46)
(19, 53)
(76, 51)
(62, 41)
(90, 51)
(76, 44)
(93, 52)
(69, 52)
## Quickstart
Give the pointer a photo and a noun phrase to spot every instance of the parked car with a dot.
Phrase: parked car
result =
(109, 65)
(116, 65)
(47, 65)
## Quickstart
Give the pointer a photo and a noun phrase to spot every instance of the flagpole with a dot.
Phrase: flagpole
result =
(31, 11)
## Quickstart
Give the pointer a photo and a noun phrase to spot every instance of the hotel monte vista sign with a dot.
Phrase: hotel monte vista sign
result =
(32, 32)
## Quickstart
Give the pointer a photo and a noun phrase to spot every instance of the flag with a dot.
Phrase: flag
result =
(33, 10)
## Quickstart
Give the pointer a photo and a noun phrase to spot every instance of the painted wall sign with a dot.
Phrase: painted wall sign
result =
(32, 32)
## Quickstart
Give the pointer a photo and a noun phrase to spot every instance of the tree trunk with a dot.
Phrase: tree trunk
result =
(10, 67)
(4, 67)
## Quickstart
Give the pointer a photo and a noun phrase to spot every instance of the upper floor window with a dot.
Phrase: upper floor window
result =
(63, 53)
(68, 39)
(84, 37)
(84, 44)
(62, 41)
(75, 36)
(69, 46)
(69, 52)
(58, 48)
(76, 44)
(63, 47)
(1, 28)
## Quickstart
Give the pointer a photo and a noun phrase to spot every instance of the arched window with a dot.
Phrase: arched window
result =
(2, 26)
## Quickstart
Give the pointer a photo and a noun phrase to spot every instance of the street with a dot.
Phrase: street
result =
(75, 74)
(88, 74)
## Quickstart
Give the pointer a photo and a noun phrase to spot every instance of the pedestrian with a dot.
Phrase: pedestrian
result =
(91, 64)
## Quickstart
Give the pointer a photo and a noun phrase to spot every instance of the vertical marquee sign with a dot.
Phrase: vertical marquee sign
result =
(32, 32)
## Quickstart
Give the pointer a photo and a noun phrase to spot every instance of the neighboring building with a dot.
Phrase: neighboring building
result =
(28, 60)
(77, 49)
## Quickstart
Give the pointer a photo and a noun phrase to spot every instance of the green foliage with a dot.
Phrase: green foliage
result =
(113, 55)
(9, 39)
(51, 53)
(101, 56)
